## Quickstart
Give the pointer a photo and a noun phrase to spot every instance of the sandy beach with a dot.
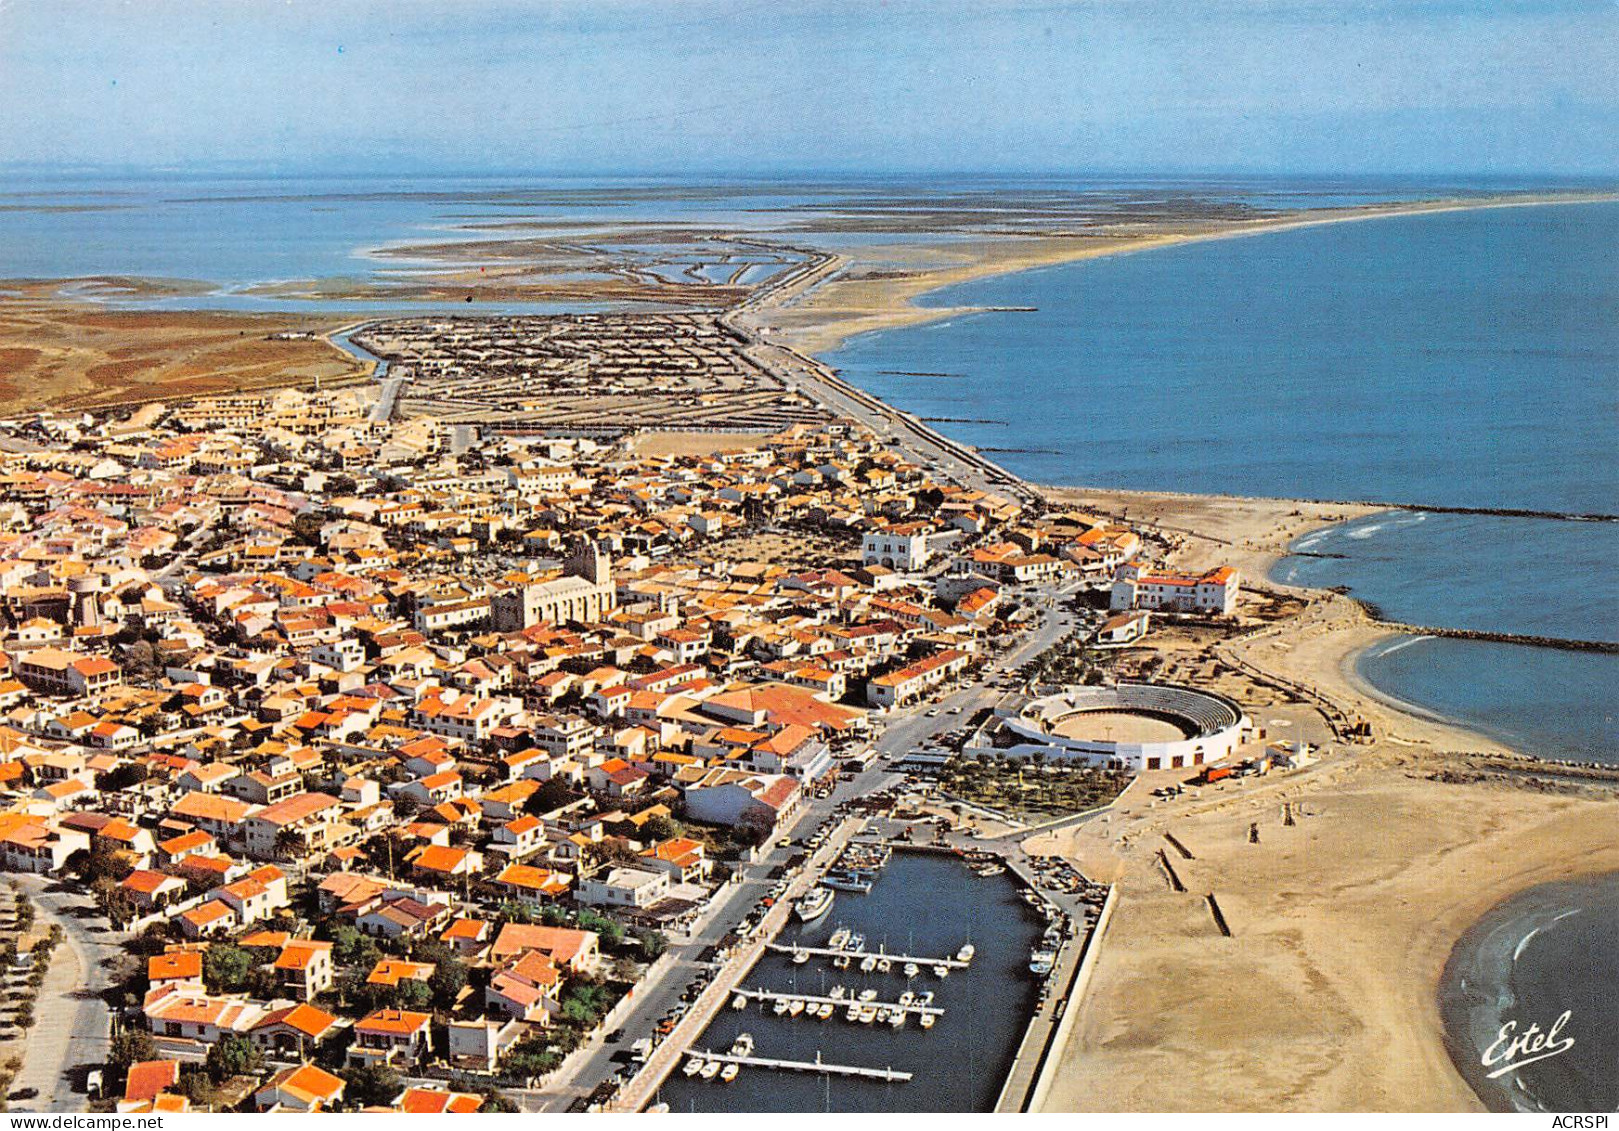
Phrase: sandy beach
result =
(1342, 922)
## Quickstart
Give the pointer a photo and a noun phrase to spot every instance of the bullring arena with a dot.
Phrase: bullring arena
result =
(1131, 726)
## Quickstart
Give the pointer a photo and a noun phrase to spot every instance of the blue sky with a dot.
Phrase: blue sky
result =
(690, 86)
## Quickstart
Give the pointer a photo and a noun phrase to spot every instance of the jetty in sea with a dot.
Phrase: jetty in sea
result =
(890, 1075)
(857, 955)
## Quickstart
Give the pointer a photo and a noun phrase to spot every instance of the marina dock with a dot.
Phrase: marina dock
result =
(638, 1093)
(857, 955)
(890, 1075)
(837, 1002)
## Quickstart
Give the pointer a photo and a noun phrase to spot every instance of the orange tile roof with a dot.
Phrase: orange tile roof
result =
(393, 1021)
(182, 964)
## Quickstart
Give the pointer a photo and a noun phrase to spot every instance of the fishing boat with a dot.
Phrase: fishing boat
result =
(795, 1007)
(857, 942)
(837, 992)
(912, 969)
(841, 962)
(814, 904)
(1040, 962)
(884, 1014)
(990, 870)
(839, 939)
(843, 881)
(896, 1019)
(941, 971)
(884, 965)
(927, 1020)
(965, 954)
(740, 1001)
(729, 1073)
(800, 957)
(825, 1010)
(853, 1012)
(868, 1014)
(907, 998)
(743, 1045)
(868, 964)
(711, 1069)
(925, 998)
(868, 995)
(780, 1008)
(693, 1066)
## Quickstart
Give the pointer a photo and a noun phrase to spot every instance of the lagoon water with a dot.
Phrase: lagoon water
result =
(1452, 359)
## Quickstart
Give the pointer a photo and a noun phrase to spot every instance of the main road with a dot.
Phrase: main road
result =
(72, 1033)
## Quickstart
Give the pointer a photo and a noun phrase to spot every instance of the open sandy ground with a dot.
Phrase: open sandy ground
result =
(66, 355)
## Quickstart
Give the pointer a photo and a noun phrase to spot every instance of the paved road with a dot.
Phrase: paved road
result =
(73, 1030)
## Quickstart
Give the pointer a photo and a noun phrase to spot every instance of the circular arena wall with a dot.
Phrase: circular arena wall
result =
(1130, 726)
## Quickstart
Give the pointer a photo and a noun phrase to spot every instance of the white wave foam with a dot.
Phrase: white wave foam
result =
(1393, 648)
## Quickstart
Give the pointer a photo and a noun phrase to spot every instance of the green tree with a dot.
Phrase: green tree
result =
(129, 1046)
(370, 1085)
(447, 981)
(232, 1056)
(225, 967)
(495, 1102)
(661, 828)
(553, 794)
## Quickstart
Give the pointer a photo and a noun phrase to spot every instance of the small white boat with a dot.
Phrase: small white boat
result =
(839, 939)
(868, 995)
(841, 962)
(965, 954)
(743, 1045)
(824, 1011)
(868, 964)
(780, 1008)
(927, 1020)
(814, 904)
(884, 965)
(852, 1013)
(729, 1072)
(740, 1001)
(795, 1007)
(907, 998)
(800, 957)
(912, 969)
(710, 1070)
(896, 1019)
(693, 1066)
(868, 1014)
(856, 942)
(941, 971)
(837, 992)
(884, 1014)
(925, 998)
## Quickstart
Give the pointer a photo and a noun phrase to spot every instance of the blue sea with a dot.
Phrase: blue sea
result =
(1451, 359)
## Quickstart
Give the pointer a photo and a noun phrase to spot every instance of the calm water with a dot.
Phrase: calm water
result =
(1551, 703)
(924, 905)
(1513, 966)
(1483, 571)
(1463, 359)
